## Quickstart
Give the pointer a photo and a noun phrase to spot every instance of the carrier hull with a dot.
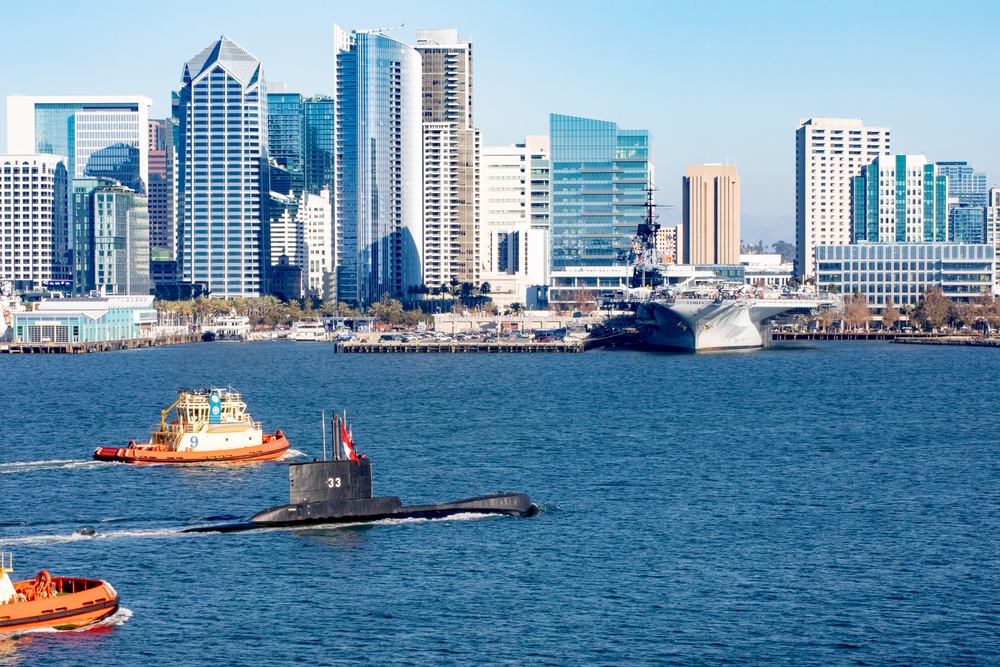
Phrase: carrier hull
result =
(701, 325)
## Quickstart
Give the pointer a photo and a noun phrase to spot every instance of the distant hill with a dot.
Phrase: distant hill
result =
(754, 228)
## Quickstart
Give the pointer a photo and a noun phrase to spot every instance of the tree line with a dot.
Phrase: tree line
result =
(934, 310)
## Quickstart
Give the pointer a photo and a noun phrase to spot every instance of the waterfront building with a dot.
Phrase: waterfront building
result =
(378, 208)
(101, 136)
(35, 231)
(829, 153)
(599, 178)
(711, 221)
(86, 320)
(301, 228)
(222, 171)
(903, 271)
(901, 199)
(161, 193)
(515, 219)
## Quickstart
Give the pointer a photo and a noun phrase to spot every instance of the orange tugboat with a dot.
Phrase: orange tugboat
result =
(63, 603)
(211, 425)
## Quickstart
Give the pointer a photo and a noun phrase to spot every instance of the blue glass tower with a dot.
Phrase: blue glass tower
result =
(222, 178)
(599, 178)
(378, 180)
(286, 141)
(319, 143)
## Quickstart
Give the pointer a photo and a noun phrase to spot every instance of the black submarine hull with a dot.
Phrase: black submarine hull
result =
(340, 491)
(359, 510)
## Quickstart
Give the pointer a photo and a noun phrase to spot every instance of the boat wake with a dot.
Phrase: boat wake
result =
(115, 620)
(291, 454)
(464, 516)
(63, 538)
(13, 467)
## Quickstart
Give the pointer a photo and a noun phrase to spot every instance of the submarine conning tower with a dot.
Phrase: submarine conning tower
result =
(319, 481)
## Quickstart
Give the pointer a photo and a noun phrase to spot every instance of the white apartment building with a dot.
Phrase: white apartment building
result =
(993, 221)
(451, 155)
(34, 221)
(901, 199)
(829, 152)
(302, 233)
(515, 233)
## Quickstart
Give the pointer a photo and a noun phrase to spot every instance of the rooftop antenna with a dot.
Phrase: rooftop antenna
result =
(377, 30)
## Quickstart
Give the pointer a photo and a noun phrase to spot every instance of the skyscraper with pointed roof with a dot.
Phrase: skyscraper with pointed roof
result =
(221, 109)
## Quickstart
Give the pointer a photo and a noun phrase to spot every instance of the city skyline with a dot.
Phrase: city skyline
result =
(707, 88)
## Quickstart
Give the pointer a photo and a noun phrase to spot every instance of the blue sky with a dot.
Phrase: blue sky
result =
(713, 81)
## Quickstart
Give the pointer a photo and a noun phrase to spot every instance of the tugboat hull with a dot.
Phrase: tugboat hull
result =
(273, 446)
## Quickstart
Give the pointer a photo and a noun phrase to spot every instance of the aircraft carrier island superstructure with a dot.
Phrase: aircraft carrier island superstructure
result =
(692, 308)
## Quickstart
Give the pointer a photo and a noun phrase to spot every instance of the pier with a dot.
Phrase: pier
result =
(97, 346)
(839, 335)
(463, 347)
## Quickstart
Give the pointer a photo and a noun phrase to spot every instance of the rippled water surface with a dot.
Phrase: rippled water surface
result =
(805, 505)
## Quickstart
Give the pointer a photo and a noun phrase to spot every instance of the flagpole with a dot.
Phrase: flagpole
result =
(322, 421)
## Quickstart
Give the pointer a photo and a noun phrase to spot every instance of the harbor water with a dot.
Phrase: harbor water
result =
(810, 504)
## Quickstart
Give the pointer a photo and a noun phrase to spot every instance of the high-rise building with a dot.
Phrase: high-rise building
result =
(379, 232)
(967, 202)
(829, 152)
(161, 194)
(711, 220)
(221, 109)
(34, 221)
(285, 140)
(599, 178)
(993, 218)
(320, 143)
(515, 225)
(901, 199)
(451, 152)
(82, 231)
(120, 241)
(101, 136)
(301, 228)
(965, 185)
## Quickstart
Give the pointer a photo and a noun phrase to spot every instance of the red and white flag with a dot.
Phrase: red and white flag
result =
(345, 438)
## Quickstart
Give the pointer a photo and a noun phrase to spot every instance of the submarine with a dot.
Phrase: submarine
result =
(340, 491)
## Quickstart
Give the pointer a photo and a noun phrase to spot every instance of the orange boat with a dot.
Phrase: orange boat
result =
(210, 425)
(63, 603)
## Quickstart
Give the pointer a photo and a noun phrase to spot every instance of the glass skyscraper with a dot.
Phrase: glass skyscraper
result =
(378, 190)
(320, 143)
(101, 136)
(965, 184)
(599, 178)
(222, 172)
(286, 141)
